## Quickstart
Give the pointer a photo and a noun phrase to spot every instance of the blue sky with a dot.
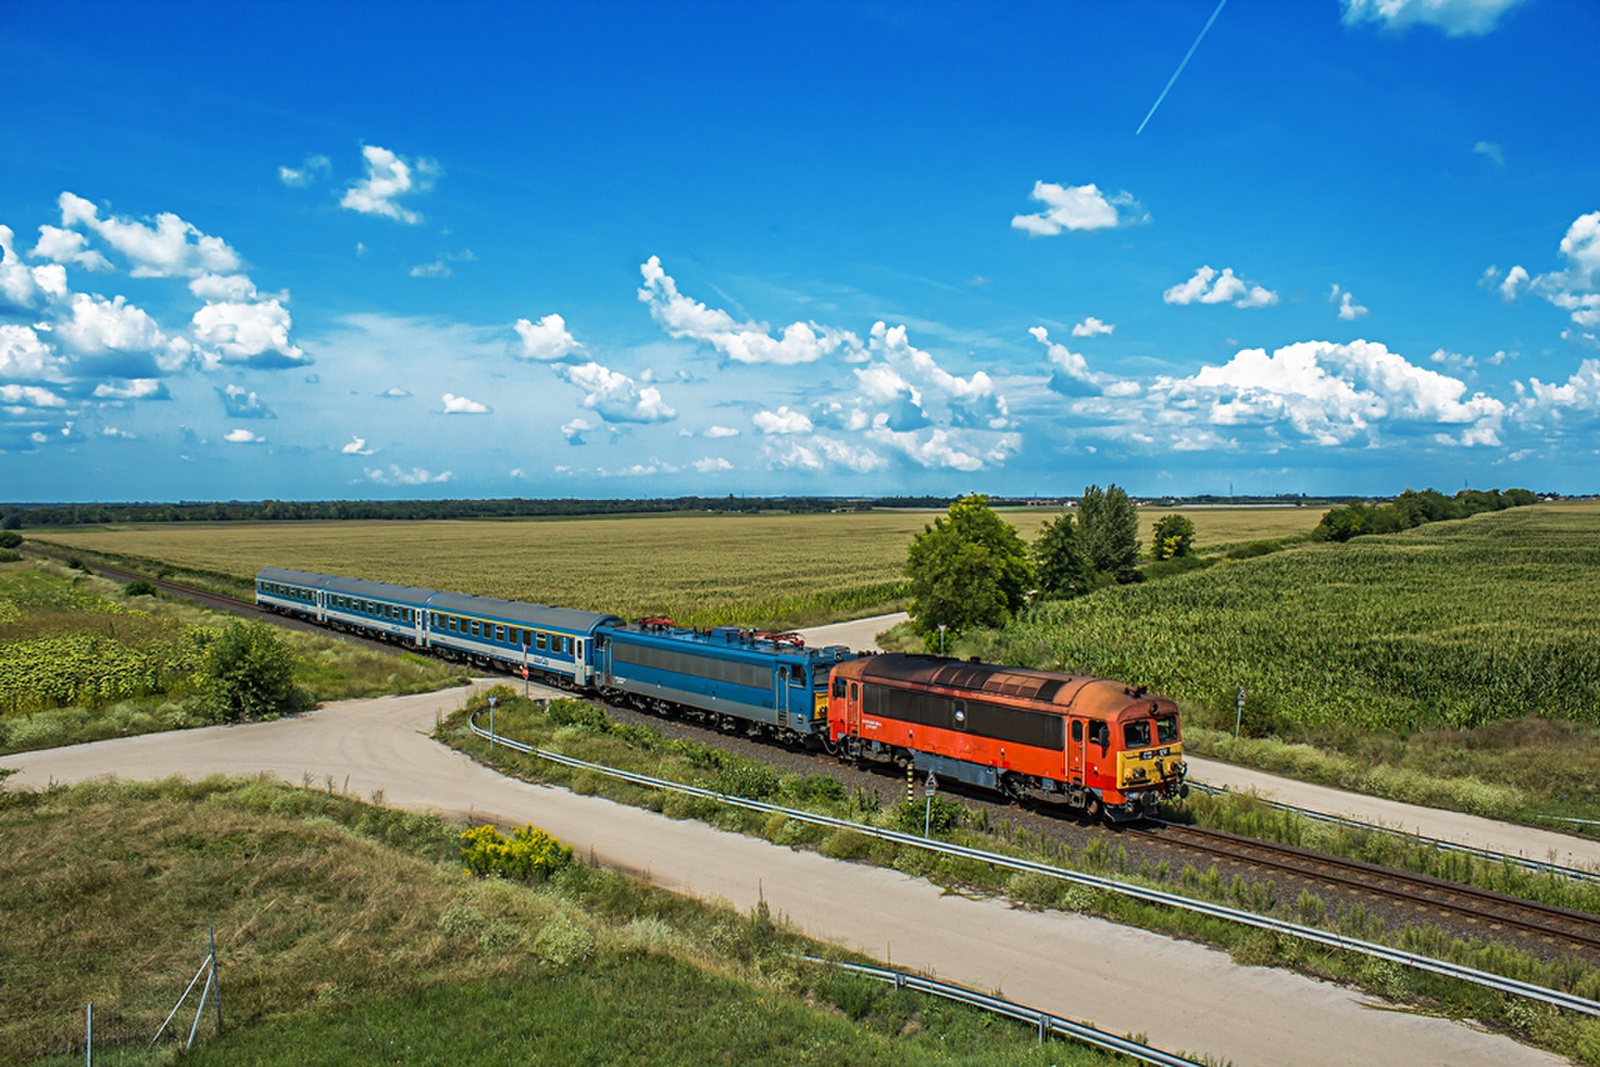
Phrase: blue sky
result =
(622, 249)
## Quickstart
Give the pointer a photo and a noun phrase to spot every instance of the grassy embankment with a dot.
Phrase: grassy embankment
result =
(81, 661)
(578, 729)
(348, 933)
(772, 571)
(1456, 665)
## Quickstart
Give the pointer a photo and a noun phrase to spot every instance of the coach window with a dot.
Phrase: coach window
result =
(499, 633)
(539, 642)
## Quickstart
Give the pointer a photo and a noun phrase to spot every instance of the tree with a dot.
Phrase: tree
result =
(1173, 537)
(247, 674)
(968, 570)
(1060, 566)
(1109, 524)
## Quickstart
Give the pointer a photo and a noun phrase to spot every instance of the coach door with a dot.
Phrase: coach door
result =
(780, 696)
(1077, 741)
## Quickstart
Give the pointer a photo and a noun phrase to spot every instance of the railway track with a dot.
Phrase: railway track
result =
(1467, 908)
(1476, 908)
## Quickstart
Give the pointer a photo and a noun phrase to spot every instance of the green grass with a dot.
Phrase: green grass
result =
(81, 661)
(583, 731)
(348, 933)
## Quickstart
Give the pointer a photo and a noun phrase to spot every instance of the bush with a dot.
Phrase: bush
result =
(746, 779)
(528, 855)
(247, 674)
(10, 539)
(8, 556)
(139, 587)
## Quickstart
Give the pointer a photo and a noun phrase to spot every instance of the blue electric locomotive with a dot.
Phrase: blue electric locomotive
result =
(739, 679)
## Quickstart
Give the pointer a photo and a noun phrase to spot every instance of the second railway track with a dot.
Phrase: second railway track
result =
(1478, 908)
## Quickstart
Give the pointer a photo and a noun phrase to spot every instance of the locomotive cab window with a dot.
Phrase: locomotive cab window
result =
(839, 688)
(1077, 729)
(1100, 734)
(1136, 734)
(1167, 730)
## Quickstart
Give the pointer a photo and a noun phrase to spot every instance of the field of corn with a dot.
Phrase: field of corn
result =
(1453, 624)
(757, 570)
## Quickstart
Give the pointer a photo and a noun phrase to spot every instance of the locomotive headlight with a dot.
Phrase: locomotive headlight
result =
(1166, 752)
(1147, 754)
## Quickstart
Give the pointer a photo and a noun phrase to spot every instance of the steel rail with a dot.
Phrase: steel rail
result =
(1326, 938)
(1046, 1023)
(1540, 866)
(1478, 905)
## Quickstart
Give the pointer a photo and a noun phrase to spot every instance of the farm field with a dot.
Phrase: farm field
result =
(1466, 650)
(81, 661)
(349, 933)
(764, 570)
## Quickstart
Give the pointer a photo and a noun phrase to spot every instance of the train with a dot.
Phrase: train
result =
(1107, 749)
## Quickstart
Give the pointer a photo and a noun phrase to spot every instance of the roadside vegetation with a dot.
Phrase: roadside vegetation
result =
(82, 659)
(581, 730)
(348, 932)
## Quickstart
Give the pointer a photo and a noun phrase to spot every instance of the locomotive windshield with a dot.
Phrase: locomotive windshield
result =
(1136, 734)
(1167, 730)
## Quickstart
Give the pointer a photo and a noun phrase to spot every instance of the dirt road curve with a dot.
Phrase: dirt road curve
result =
(1182, 995)
(1566, 849)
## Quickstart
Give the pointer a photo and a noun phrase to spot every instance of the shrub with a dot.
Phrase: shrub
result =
(746, 779)
(139, 587)
(8, 556)
(10, 539)
(247, 673)
(528, 855)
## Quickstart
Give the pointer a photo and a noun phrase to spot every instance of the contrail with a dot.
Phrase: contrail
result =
(1179, 71)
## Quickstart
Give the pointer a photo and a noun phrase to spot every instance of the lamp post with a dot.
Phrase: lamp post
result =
(941, 638)
(1238, 713)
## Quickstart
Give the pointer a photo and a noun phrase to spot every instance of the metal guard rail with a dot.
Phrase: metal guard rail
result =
(1046, 1023)
(1326, 938)
(1538, 866)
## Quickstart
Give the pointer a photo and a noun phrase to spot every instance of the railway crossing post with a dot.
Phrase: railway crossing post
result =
(911, 782)
(931, 786)
(1238, 713)
(492, 702)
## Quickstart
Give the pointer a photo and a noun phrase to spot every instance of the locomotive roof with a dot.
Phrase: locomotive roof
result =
(570, 619)
(1083, 695)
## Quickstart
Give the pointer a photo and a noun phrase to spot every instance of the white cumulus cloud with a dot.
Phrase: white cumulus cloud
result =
(1456, 18)
(437, 269)
(254, 333)
(415, 476)
(30, 396)
(742, 342)
(720, 431)
(546, 340)
(131, 389)
(783, 421)
(1091, 327)
(460, 405)
(1348, 309)
(712, 464)
(23, 356)
(1207, 286)
(243, 437)
(574, 430)
(68, 247)
(242, 403)
(615, 396)
(170, 248)
(357, 446)
(1076, 207)
(389, 176)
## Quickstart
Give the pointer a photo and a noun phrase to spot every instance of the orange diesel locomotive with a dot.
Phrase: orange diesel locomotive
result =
(1086, 742)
